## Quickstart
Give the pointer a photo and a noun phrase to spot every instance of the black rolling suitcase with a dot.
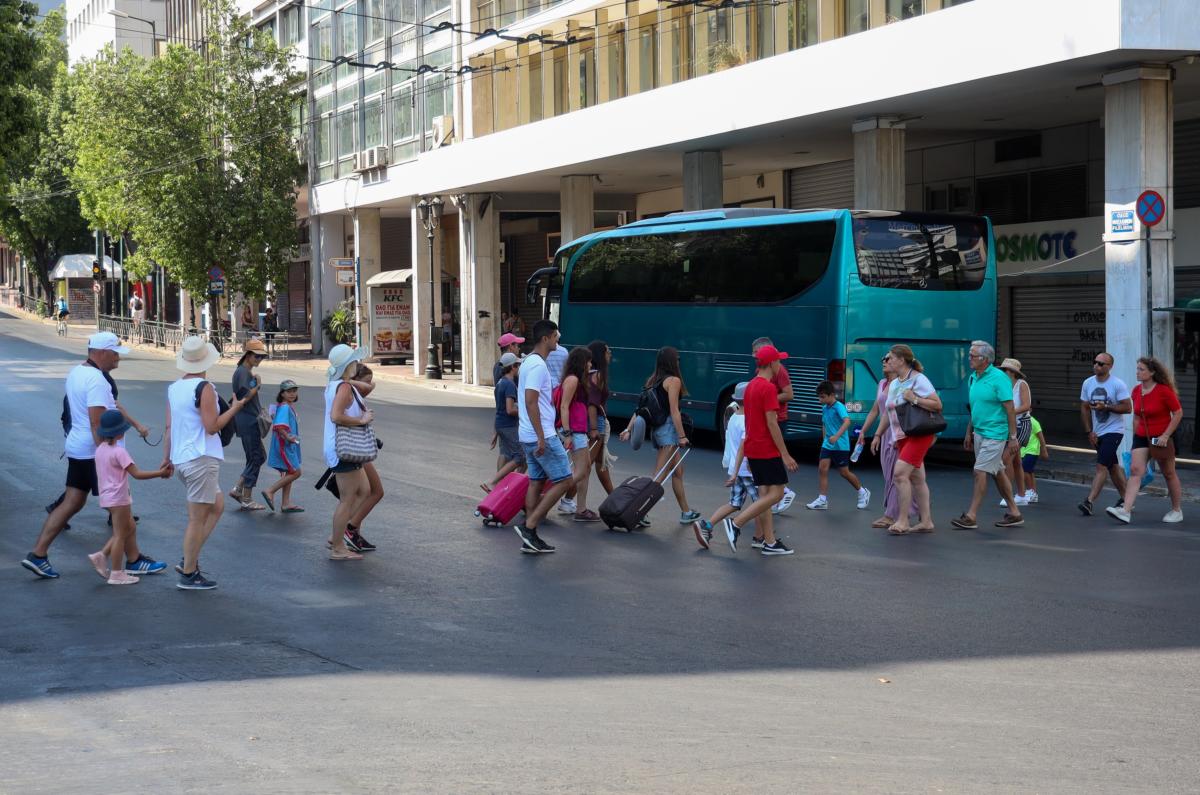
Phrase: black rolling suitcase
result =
(632, 500)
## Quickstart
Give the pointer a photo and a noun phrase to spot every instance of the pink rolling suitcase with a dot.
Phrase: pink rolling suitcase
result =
(505, 501)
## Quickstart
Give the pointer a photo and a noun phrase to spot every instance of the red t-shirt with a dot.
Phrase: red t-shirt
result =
(761, 397)
(1155, 408)
(781, 381)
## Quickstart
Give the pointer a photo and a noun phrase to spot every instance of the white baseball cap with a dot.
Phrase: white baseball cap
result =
(106, 341)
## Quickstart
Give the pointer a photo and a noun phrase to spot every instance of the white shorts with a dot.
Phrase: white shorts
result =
(200, 477)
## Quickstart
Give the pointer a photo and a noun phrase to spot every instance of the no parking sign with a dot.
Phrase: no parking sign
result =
(1151, 208)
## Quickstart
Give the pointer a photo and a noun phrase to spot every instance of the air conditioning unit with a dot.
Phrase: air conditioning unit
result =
(371, 159)
(443, 130)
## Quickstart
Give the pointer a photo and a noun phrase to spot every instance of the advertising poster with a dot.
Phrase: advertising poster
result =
(391, 321)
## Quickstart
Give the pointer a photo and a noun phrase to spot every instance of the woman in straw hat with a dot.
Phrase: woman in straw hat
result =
(344, 406)
(1022, 407)
(245, 380)
(194, 448)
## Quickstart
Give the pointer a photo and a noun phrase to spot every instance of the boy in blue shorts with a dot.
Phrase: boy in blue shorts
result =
(740, 480)
(835, 450)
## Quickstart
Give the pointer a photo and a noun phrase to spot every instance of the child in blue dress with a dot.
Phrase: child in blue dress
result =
(284, 455)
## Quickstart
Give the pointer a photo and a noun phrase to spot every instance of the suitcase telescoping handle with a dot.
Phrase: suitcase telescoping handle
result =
(668, 464)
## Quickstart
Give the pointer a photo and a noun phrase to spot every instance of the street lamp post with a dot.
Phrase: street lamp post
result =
(153, 28)
(430, 212)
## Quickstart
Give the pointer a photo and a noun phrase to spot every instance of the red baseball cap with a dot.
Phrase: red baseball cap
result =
(767, 354)
(508, 339)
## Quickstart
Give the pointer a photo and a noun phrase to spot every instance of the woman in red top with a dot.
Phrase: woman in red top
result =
(1156, 415)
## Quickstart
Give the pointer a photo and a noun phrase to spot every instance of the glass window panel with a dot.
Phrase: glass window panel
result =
(858, 16)
(802, 21)
(616, 63)
(921, 254)
(587, 78)
(289, 32)
(374, 80)
(346, 123)
(317, 8)
(404, 50)
(904, 9)
(347, 41)
(765, 264)
(561, 102)
(373, 122)
(764, 16)
(431, 7)
(324, 142)
(485, 14)
(647, 62)
(268, 27)
(322, 44)
(535, 88)
(374, 29)
(509, 12)
(437, 49)
(403, 113)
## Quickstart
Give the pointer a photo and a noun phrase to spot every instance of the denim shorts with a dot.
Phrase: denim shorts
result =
(665, 435)
(742, 489)
(552, 464)
(579, 441)
(601, 423)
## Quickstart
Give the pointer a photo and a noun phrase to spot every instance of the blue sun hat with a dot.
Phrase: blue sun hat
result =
(112, 424)
(637, 431)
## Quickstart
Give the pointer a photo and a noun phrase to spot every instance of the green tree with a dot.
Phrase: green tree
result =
(18, 54)
(41, 216)
(197, 161)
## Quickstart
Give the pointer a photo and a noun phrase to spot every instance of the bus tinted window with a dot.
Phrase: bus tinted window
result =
(910, 254)
(754, 264)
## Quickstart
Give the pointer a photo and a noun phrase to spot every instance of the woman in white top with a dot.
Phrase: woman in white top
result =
(344, 406)
(194, 449)
(1022, 406)
(909, 385)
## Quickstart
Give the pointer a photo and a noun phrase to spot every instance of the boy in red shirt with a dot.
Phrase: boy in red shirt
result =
(763, 448)
(783, 386)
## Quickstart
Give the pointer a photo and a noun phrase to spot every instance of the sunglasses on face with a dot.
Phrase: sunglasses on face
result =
(1099, 363)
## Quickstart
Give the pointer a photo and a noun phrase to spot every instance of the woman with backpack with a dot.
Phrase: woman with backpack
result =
(250, 424)
(661, 395)
(573, 411)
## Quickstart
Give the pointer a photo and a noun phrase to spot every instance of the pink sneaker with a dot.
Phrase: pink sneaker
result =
(100, 563)
(121, 578)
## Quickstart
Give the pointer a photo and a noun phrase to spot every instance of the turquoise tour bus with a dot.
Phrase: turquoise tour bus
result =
(833, 288)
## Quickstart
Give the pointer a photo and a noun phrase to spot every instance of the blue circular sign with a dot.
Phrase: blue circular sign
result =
(1151, 207)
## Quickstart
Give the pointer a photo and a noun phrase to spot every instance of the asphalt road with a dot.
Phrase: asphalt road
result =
(1061, 656)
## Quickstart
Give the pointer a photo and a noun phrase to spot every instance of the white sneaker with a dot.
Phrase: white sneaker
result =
(566, 506)
(788, 497)
(864, 499)
(1020, 499)
(1031, 497)
(819, 504)
(1120, 514)
(1173, 517)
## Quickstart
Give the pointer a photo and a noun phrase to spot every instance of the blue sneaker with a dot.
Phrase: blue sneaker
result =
(687, 517)
(195, 582)
(144, 565)
(40, 566)
(703, 530)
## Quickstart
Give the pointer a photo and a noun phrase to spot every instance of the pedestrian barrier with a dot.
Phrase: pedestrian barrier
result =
(279, 344)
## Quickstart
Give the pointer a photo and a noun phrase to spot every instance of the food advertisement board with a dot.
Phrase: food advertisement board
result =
(391, 322)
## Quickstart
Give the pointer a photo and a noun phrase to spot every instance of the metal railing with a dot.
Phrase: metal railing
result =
(280, 344)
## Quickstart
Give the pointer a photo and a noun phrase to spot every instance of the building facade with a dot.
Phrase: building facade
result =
(93, 25)
(539, 122)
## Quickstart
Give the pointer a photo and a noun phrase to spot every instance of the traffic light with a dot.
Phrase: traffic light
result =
(97, 270)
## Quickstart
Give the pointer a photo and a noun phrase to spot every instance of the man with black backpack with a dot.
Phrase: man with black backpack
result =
(90, 391)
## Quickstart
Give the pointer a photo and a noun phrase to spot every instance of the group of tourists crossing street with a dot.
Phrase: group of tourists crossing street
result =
(552, 432)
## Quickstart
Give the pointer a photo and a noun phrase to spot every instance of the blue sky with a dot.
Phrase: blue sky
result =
(46, 5)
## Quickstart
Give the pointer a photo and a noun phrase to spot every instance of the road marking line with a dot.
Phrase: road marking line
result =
(14, 481)
(1028, 545)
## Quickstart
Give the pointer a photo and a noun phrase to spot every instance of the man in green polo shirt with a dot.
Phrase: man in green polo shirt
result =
(990, 431)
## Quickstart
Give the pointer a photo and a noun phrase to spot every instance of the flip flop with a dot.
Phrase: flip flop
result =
(347, 555)
(252, 506)
(486, 488)
(919, 529)
(293, 509)
(900, 531)
(267, 497)
(883, 523)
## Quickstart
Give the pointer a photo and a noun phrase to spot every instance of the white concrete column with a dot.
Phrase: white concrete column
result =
(367, 250)
(1138, 261)
(479, 257)
(183, 308)
(330, 237)
(703, 182)
(577, 206)
(420, 286)
(879, 163)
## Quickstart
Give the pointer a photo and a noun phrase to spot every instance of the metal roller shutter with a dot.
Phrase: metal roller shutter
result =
(1187, 163)
(281, 306)
(827, 185)
(1187, 357)
(297, 318)
(1056, 332)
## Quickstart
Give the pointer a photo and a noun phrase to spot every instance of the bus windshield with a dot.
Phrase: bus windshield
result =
(908, 253)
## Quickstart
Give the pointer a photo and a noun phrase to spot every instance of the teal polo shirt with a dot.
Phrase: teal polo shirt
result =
(987, 395)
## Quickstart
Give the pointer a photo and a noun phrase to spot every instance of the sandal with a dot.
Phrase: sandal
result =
(486, 488)
(900, 531)
(344, 554)
(267, 497)
(928, 528)
(252, 506)
(883, 523)
(292, 509)
(964, 522)
(587, 516)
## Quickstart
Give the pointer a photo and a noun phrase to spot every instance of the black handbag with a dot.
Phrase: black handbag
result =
(917, 421)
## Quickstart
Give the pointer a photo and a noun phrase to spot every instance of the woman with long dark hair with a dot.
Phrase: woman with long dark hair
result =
(670, 437)
(598, 425)
(1156, 414)
(573, 411)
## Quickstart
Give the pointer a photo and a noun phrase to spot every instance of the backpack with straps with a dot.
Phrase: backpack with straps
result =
(654, 405)
(227, 432)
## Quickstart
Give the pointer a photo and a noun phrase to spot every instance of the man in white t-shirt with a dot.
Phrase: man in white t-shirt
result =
(89, 395)
(137, 310)
(544, 452)
(556, 362)
(1104, 402)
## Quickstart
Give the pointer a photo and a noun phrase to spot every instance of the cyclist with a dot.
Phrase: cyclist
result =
(62, 312)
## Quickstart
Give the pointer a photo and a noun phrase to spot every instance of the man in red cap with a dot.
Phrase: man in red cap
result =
(509, 343)
(764, 449)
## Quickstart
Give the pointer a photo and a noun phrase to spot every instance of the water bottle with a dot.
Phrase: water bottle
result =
(858, 447)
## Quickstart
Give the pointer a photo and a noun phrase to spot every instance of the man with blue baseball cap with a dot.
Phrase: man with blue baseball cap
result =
(90, 391)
